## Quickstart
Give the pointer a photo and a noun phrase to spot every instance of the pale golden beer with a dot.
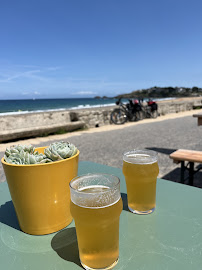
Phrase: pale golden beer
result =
(96, 209)
(140, 169)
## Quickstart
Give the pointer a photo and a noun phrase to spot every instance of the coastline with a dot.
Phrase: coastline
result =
(93, 107)
(106, 144)
(34, 124)
(104, 128)
(96, 107)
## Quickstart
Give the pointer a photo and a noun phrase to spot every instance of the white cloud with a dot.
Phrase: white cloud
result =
(36, 93)
(83, 93)
(47, 82)
(53, 68)
(25, 74)
(12, 73)
(30, 93)
(25, 93)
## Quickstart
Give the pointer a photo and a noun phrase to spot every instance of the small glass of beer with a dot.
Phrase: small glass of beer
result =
(96, 206)
(140, 168)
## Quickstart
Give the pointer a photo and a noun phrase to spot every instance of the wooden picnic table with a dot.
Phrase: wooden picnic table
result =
(169, 238)
(199, 116)
(189, 156)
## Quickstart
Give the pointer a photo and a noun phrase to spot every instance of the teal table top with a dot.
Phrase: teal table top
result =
(169, 238)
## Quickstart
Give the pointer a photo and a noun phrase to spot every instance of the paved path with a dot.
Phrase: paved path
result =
(166, 136)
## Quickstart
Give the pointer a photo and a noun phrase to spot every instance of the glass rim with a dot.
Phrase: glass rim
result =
(94, 174)
(151, 153)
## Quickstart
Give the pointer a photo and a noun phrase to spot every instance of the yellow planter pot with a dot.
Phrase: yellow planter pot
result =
(40, 193)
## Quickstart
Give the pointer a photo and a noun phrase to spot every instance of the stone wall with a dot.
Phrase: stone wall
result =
(99, 117)
(28, 120)
(95, 117)
(177, 106)
(16, 126)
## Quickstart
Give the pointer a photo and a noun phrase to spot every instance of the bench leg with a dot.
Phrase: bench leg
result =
(182, 172)
(191, 173)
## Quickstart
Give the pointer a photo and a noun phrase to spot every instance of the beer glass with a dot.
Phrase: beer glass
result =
(96, 206)
(140, 168)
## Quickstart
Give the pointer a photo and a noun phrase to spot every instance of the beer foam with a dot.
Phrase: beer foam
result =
(96, 207)
(94, 189)
(95, 196)
(140, 157)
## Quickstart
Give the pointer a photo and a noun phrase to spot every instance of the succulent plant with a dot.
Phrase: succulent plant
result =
(26, 154)
(16, 149)
(60, 150)
(22, 154)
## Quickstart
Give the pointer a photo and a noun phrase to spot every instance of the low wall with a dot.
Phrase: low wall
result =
(16, 126)
(99, 117)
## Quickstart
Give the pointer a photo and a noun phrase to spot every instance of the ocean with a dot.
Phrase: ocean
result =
(39, 105)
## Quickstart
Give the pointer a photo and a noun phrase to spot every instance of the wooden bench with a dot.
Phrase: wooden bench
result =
(199, 116)
(190, 157)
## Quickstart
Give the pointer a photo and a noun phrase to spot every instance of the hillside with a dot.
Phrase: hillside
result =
(162, 92)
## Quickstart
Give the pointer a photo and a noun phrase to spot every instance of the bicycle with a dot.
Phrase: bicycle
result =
(125, 112)
(150, 110)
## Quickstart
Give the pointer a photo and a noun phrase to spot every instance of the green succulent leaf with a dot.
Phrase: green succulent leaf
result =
(60, 150)
(26, 154)
(23, 154)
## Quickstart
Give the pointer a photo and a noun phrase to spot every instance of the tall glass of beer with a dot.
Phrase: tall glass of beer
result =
(140, 168)
(96, 206)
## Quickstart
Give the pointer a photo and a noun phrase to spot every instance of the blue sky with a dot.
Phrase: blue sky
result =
(84, 48)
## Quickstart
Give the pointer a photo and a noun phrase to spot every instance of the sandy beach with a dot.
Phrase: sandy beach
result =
(106, 144)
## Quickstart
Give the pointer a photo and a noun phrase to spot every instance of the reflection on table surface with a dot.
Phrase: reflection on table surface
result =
(169, 238)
